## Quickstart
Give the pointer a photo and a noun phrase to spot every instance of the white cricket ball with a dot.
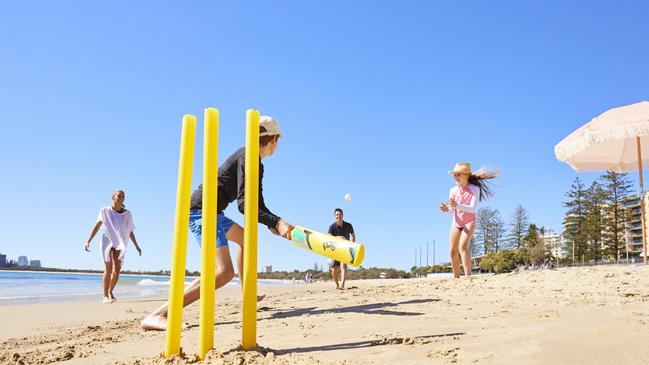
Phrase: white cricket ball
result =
(348, 197)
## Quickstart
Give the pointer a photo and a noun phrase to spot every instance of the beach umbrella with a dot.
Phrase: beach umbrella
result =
(612, 141)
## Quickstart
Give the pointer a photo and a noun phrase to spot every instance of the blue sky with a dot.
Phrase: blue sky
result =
(375, 99)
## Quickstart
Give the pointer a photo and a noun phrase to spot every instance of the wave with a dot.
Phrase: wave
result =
(150, 282)
(133, 288)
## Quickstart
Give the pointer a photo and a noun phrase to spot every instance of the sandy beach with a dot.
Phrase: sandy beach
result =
(597, 315)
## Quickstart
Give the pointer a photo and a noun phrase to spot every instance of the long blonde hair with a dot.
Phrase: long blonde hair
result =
(480, 179)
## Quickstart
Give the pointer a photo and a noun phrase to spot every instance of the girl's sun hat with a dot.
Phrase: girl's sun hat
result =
(461, 168)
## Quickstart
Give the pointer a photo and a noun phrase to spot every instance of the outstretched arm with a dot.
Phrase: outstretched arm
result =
(265, 216)
(92, 235)
(137, 247)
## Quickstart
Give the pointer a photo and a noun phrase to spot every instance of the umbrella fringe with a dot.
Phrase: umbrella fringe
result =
(564, 151)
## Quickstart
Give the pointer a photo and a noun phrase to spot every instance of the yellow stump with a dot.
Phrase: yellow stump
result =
(208, 248)
(179, 250)
(251, 208)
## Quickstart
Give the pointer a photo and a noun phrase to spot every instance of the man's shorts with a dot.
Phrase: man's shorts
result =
(335, 265)
(223, 225)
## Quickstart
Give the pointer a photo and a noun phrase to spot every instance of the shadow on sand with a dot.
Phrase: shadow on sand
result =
(357, 345)
(375, 308)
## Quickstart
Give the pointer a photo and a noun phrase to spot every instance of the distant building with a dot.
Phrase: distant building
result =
(36, 264)
(632, 227)
(3, 260)
(556, 243)
(569, 226)
(22, 261)
(629, 230)
(267, 269)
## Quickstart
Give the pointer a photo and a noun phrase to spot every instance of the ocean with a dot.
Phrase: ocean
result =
(24, 287)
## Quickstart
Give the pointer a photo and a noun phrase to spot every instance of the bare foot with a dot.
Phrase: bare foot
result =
(106, 300)
(158, 323)
(112, 298)
(154, 323)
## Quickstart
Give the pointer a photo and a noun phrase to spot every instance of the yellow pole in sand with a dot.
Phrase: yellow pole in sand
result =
(251, 207)
(208, 241)
(179, 250)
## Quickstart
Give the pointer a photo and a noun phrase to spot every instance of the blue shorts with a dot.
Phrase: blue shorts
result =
(223, 225)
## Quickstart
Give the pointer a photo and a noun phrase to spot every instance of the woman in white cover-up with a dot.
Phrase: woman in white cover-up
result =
(117, 223)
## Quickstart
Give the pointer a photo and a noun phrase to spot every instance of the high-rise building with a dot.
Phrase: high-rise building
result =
(568, 226)
(267, 269)
(629, 230)
(36, 264)
(3, 260)
(632, 227)
(556, 243)
(22, 261)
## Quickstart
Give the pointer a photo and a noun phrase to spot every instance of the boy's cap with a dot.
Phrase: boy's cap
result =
(270, 125)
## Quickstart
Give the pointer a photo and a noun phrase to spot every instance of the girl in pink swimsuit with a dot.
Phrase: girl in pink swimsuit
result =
(462, 203)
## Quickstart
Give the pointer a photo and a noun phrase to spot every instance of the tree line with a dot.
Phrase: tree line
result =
(593, 227)
(597, 215)
(493, 234)
(525, 245)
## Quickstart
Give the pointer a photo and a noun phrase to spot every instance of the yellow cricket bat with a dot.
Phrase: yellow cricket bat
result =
(336, 248)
